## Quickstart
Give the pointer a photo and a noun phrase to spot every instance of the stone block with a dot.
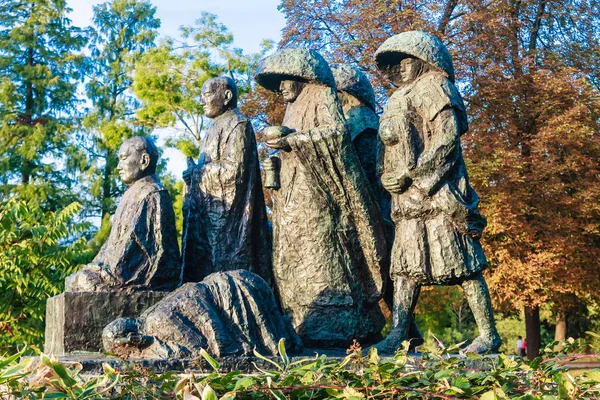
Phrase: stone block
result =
(74, 320)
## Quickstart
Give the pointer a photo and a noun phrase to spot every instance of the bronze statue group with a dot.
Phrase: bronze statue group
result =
(359, 205)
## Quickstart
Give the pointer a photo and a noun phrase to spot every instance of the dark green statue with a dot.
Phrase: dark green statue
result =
(225, 221)
(141, 252)
(438, 225)
(329, 247)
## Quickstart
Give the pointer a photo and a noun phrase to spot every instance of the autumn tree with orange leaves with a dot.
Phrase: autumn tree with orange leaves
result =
(529, 72)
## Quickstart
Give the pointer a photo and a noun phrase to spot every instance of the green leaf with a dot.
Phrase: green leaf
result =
(257, 354)
(284, 357)
(351, 394)
(244, 383)
(46, 360)
(10, 359)
(213, 363)
(278, 394)
(56, 395)
(445, 373)
(491, 395)
(209, 394)
(64, 375)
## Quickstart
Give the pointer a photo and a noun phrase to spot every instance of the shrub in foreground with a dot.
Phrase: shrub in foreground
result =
(434, 375)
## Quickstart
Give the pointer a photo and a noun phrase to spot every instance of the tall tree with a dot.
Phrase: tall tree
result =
(40, 63)
(529, 72)
(123, 31)
(170, 78)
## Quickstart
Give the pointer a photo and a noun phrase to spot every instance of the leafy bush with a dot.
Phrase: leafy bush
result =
(436, 375)
(37, 252)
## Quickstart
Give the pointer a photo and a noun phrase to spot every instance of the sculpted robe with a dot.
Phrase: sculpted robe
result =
(141, 252)
(329, 245)
(227, 314)
(225, 222)
(437, 221)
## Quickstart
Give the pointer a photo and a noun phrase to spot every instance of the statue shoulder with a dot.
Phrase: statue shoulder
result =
(144, 189)
(359, 119)
(434, 92)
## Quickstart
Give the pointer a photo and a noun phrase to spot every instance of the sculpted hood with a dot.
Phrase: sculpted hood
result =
(417, 44)
(352, 80)
(294, 64)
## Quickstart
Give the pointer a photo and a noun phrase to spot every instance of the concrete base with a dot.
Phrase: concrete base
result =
(74, 320)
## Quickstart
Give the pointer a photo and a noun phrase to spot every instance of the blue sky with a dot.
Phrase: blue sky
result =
(250, 22)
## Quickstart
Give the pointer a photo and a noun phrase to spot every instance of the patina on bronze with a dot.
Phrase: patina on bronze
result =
(141, 252)
(225, 221)
(329, 251)
(438, 225)
(358, 103)
(227, 314)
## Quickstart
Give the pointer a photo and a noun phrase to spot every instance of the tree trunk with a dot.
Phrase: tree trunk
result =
(561, 327)
(27, 166)
(532, 331)
(106, 185)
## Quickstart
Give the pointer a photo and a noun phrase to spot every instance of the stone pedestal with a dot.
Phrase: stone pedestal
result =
(74, 320)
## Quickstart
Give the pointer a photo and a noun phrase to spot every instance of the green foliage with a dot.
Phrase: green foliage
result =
(358, 376)
(37, 252)
(170, 77)
(40, 63)
(122, 31)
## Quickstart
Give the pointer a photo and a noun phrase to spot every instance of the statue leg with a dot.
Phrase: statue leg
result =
(478, 296)
(406, 294)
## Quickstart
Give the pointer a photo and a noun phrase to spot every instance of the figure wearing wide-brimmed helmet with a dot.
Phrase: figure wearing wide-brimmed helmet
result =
(438, 226)
(358, 103)
(328, 239)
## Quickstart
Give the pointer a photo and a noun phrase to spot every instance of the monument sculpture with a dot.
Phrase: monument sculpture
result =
(227, 314)
(358, 104)
(141, 252)
(329, 247)
(438, 225)
(225, 221)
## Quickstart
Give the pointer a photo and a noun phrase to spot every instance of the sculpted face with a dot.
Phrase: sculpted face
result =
(216, 98)
(290, 90)
(133, 164)
(405, 72)
(409, 69)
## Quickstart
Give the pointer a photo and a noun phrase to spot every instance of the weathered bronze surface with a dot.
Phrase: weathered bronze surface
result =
(438, 225)
(225, 221)
(227, 314)
(329, 251)
(141, 252)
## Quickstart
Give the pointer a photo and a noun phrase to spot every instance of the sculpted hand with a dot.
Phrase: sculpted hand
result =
(275, 136)
(187, 174)
(395, 184)
(280, 143)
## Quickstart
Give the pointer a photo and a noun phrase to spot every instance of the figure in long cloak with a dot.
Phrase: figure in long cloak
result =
(141, 252)
(225, 221)
(438, 225)
(329, 247)
(227, 314)
(362, 123)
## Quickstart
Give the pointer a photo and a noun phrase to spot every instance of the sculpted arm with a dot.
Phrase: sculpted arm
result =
(435, 162)
(154, 233)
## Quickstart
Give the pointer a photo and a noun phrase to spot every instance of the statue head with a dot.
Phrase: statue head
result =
(138, 157)
(353, 86)
(426, 51)
(124, 335)
(219, 95)
(289, 70)
(290, 89)
(406, 71)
